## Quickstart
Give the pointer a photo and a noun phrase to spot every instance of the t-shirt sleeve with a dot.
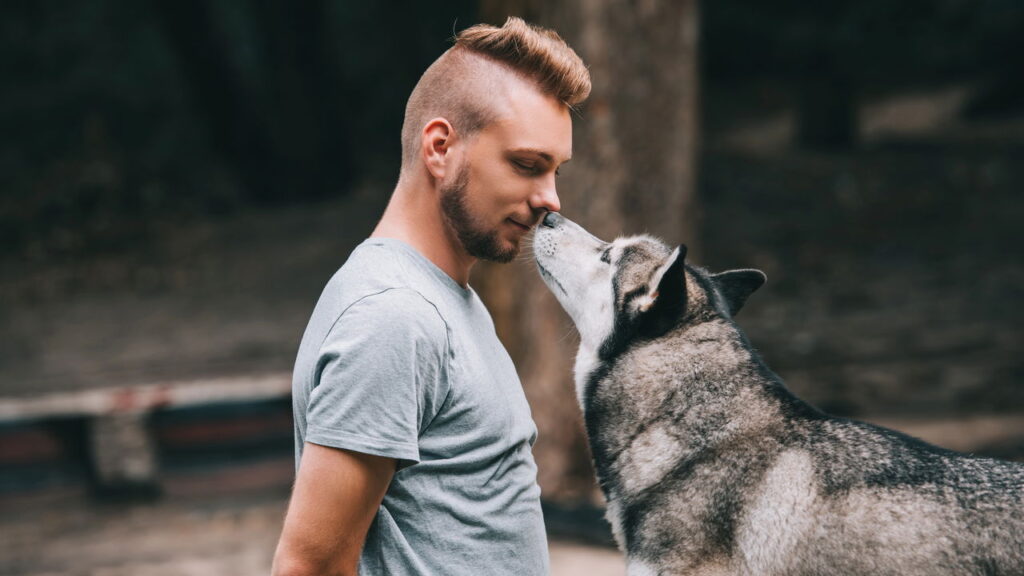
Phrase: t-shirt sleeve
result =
(381, 376)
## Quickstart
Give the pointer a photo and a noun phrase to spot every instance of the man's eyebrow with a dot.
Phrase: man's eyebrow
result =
(547, 157)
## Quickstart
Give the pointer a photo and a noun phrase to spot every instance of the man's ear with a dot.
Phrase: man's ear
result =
(435, 142)
(737, 285)
(666, 298)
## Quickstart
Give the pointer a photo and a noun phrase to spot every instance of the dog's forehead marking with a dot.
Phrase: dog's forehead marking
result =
(636, 257)
(644, 244)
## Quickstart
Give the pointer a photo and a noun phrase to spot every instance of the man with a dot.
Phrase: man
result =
(413, 435)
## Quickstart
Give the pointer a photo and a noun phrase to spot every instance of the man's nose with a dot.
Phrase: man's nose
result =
(546, 198)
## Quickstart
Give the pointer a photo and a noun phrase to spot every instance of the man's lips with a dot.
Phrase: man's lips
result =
(525, 227)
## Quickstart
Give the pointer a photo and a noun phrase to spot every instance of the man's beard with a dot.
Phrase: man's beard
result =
(476, 240)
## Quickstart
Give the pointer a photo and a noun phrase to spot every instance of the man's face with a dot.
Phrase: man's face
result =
(505, 181)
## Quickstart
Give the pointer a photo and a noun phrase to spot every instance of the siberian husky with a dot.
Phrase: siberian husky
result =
(711, 466)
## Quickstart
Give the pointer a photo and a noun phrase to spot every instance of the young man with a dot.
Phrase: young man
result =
(413, 435)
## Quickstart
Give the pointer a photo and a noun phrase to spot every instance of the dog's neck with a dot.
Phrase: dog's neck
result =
(667, 403)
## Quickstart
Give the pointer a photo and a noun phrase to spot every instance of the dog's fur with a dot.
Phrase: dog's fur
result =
(711, 466)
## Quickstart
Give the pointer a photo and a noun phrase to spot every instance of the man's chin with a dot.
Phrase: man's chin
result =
(505, 257)
(501, 252)
(500, 256)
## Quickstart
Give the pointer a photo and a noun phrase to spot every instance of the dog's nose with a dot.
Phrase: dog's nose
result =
(552, 219)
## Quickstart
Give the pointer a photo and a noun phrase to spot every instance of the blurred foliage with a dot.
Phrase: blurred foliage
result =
(873, 40)
(830, 53)
(118, 114)
(94, 121)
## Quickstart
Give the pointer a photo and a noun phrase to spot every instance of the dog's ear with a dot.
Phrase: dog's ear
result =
(666, 296)
(737, 285)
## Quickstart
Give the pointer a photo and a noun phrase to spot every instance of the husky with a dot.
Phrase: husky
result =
(711, 466)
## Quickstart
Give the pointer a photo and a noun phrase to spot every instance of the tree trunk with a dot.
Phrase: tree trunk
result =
(633, 170)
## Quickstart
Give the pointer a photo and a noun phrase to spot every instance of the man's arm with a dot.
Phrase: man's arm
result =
(336, 495)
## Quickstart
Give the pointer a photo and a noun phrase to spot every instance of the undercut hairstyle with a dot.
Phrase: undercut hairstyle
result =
(465, 83)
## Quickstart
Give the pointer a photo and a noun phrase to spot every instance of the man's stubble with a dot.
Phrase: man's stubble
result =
(475, 238)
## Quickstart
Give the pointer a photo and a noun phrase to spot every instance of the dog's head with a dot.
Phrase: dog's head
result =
(633, 287)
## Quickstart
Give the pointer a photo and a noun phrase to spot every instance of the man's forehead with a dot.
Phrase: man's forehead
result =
(538, 125)
(523, 117)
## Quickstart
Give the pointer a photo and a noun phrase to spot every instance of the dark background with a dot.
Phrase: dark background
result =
(178, 180)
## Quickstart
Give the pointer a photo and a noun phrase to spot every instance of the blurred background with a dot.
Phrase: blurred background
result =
(179, 179)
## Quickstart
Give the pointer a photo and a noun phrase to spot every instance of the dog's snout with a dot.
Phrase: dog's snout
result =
(552, 219)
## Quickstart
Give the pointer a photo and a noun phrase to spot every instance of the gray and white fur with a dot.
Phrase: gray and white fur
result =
(710, 466)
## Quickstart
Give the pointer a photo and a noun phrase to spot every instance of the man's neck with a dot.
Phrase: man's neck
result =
(414, 216)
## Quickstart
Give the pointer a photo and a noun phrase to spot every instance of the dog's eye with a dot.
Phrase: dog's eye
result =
(606, 256)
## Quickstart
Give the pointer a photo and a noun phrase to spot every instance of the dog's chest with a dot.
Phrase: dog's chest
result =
(586, 364)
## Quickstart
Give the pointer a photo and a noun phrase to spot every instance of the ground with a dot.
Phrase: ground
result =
(216, 521)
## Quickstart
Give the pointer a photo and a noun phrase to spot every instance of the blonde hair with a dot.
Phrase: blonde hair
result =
(461, 85)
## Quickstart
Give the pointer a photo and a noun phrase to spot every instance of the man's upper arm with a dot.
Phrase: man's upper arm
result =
(381, 376)
(335, 497)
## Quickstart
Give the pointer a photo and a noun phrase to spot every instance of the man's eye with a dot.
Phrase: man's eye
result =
(524, 166)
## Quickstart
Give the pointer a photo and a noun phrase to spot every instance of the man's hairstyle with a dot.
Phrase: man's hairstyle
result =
(461, 85)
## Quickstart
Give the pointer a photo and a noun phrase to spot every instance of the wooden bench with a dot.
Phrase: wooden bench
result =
(120, 444)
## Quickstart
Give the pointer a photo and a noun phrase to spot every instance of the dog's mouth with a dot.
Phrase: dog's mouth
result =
(548, 276)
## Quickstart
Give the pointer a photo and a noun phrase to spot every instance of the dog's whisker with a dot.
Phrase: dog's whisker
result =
(570, 330)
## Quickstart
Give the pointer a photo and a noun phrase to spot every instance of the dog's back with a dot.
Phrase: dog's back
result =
(713, 466)
(878, 502)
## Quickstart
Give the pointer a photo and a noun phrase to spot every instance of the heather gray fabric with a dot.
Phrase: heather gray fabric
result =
(398, 360)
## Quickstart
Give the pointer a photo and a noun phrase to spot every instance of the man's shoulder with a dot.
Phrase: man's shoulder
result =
(374, 264)
(398, 306)
(391, 321)
(385, 272)
(381, 295)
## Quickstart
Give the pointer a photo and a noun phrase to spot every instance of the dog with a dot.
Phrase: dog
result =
(711, 466)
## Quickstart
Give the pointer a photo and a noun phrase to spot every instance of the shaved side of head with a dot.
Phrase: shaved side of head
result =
(469, 84)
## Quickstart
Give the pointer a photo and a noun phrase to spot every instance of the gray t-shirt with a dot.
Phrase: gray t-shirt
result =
(399, 360)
